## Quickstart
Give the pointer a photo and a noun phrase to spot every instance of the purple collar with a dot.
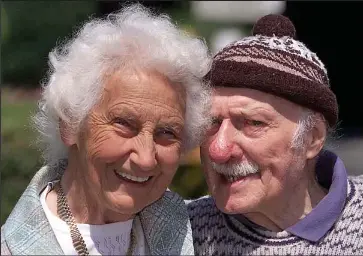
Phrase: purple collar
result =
(332, 175)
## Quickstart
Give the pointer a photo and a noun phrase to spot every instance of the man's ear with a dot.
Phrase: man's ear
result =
(66, 133)
(316, 139)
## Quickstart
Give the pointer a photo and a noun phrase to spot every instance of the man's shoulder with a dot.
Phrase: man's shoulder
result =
(201, 206)
(357, 181)
(204, 200)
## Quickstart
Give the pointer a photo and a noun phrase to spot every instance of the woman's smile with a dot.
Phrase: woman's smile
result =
(131, 178)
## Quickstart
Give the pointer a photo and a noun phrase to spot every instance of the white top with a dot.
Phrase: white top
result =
(107, 239)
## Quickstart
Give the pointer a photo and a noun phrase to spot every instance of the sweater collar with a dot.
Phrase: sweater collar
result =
(332, 175)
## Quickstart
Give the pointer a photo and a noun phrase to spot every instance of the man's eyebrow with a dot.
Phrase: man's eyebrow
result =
(247, 110)
(253, 111)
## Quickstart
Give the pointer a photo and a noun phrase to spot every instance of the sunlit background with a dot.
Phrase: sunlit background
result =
(30, 29)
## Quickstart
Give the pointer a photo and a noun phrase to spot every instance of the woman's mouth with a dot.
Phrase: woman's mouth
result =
(132, 178)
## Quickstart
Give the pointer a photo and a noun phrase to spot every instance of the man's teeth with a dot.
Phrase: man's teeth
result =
(233, 178)
(133, 178)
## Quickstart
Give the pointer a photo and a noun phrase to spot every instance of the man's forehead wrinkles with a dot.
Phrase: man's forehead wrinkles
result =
(225, 105)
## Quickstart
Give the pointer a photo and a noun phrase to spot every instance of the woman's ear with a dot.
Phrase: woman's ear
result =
(316, 139)
(66, 133)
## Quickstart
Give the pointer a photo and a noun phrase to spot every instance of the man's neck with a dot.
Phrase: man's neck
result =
(291, 207)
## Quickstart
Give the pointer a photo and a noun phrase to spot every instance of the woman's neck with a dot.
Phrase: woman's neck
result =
(83, 199)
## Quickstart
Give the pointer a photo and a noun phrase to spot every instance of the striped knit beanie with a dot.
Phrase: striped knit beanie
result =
(273, 61)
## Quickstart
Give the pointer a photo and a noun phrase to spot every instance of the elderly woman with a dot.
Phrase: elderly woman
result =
(275, 191)
(123, 101)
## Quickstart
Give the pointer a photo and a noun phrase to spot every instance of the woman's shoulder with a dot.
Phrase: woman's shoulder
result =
(171, 204)
(4, 246)
(166, 222)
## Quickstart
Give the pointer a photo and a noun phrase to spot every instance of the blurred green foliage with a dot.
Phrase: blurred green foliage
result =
(30, 29)
(19, 159)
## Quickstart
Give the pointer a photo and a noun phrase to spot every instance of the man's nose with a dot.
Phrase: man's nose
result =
(223, 145)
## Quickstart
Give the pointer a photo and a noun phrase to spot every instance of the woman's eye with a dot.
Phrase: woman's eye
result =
(121, 121)
(166, 134)
(124, 125)
(166, 137)
(125, 128)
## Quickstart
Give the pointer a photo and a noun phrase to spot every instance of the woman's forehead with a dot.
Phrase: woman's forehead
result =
(142, 85)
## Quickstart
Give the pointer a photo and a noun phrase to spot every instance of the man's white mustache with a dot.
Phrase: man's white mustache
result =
(236, 169)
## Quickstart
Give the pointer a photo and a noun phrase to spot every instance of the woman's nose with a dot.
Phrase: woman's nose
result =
(144, 155)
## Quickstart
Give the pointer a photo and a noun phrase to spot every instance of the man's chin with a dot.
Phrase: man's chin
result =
(234, 203)
(229, 207)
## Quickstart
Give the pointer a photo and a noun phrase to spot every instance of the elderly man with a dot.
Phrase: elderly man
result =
(274, 190)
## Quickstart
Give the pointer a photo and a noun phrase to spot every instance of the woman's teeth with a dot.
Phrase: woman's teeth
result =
(133, 178)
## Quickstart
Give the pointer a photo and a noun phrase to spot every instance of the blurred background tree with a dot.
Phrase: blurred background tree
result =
(30, 29)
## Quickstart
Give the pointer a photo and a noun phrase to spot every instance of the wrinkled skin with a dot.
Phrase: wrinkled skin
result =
(136, 128)
(257, 127)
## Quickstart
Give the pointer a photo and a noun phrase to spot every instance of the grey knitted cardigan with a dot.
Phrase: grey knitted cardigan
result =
(215, 233)
(27, 230)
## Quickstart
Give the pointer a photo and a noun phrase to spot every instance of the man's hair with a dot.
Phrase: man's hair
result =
(306, 123)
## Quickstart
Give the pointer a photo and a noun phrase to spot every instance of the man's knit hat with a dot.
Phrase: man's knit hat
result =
(274, 62)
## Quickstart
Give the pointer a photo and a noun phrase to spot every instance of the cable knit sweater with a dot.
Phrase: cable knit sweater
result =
(216, 233)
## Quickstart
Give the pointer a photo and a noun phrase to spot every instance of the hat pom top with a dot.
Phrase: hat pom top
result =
(274, 25)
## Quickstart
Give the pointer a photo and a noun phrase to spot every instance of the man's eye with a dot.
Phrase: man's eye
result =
(216, 121)
(254, 123)
(214, 125)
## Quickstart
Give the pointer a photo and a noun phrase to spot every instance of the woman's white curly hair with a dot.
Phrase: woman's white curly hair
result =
(132, 37)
